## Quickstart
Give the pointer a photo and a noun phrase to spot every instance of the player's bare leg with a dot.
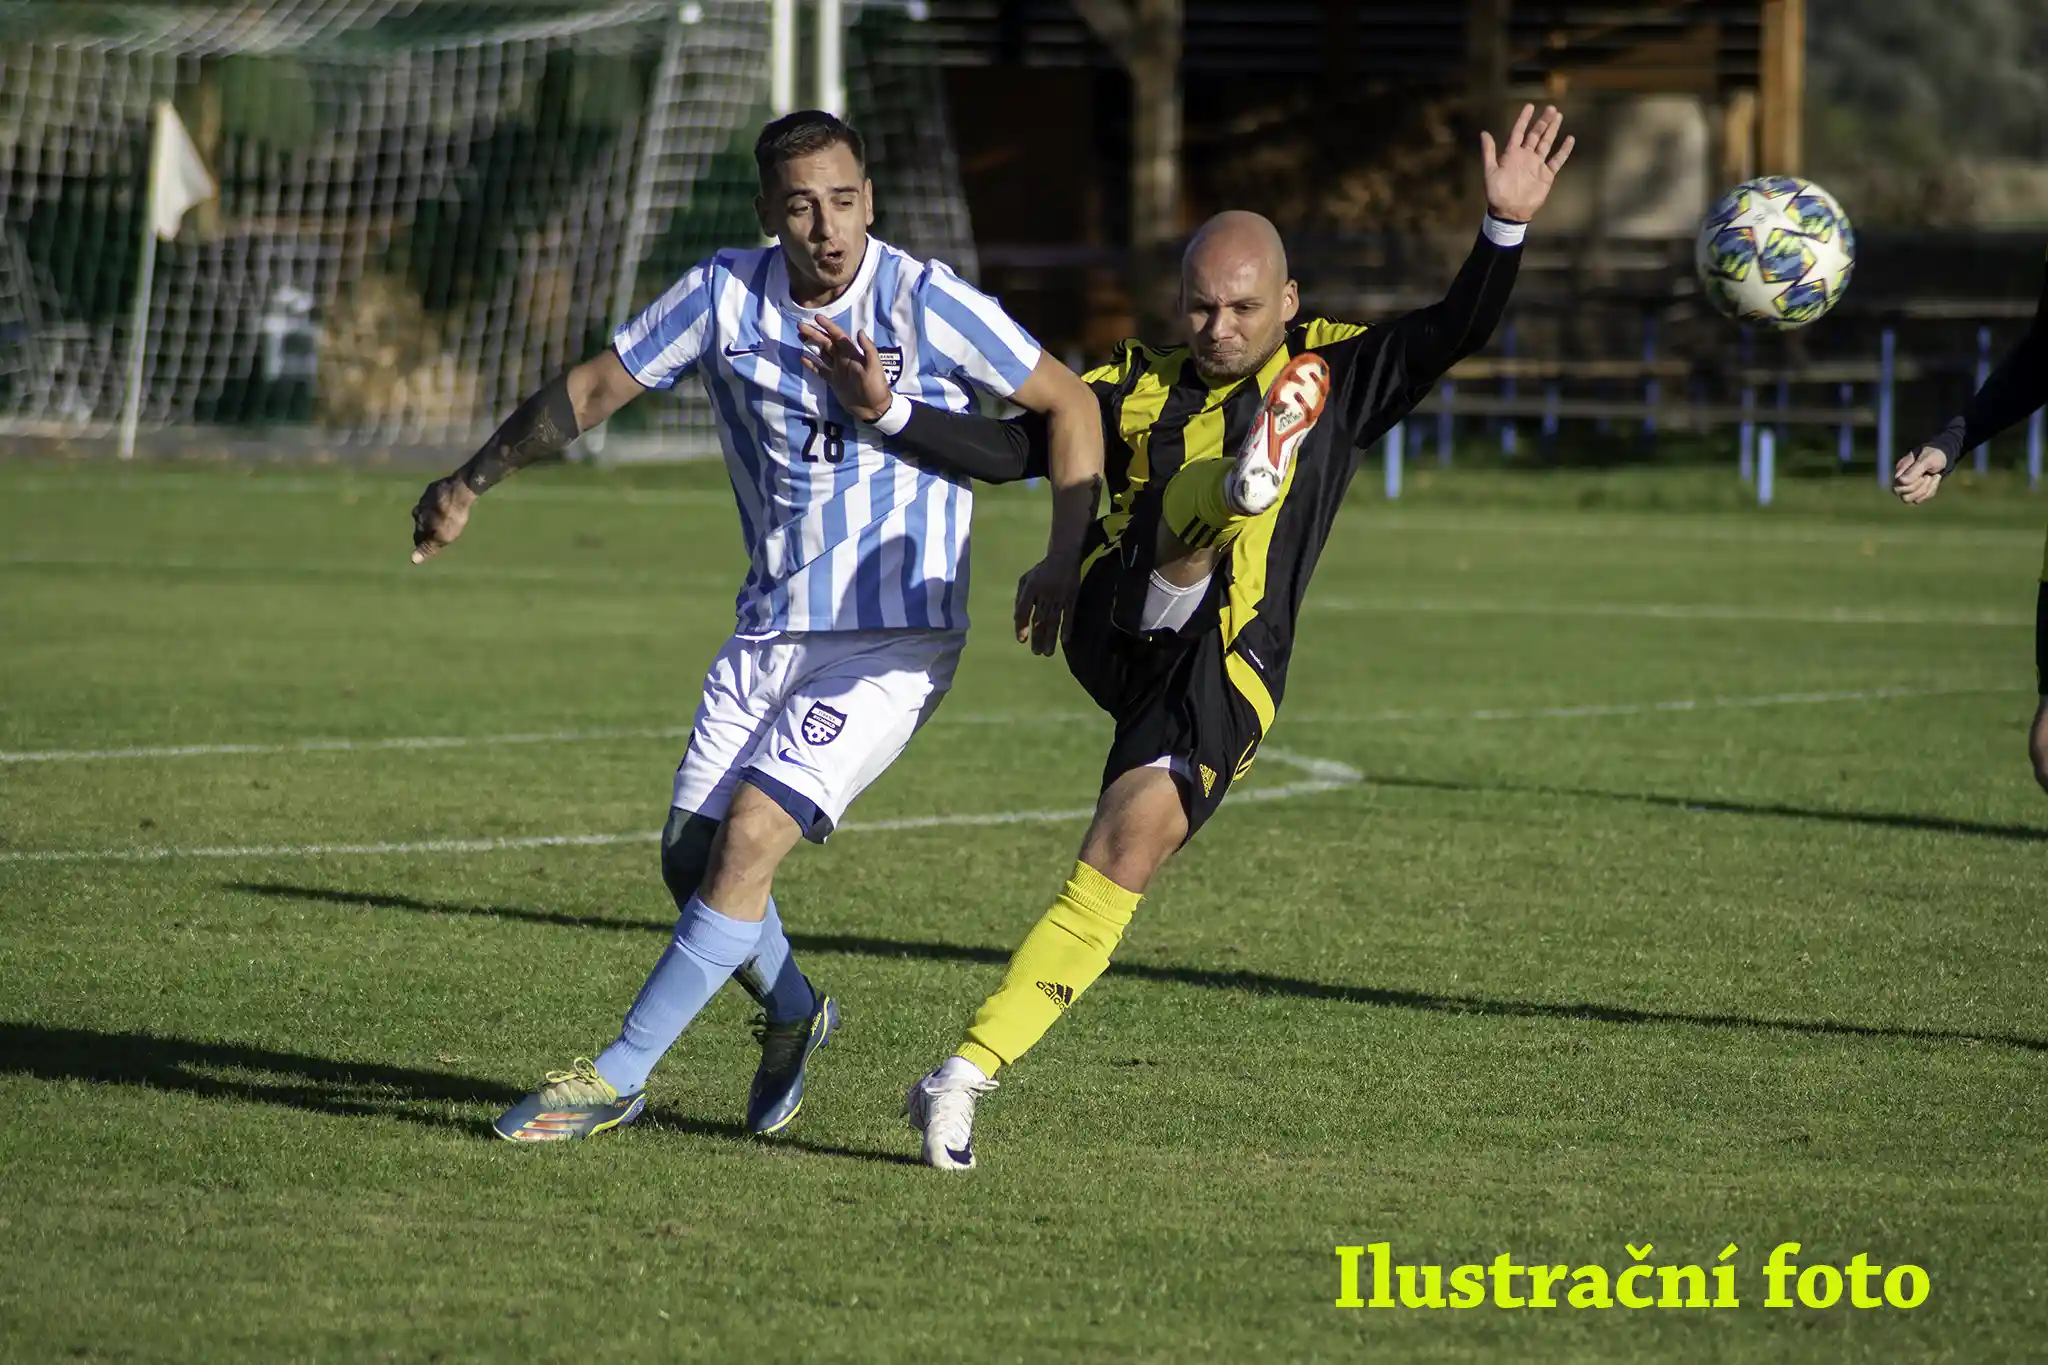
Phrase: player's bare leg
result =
(1139, 823)
(756, 835)
(2037, 744)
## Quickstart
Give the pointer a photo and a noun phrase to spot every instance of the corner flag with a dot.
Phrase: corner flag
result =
(178, 178)
(177, 181)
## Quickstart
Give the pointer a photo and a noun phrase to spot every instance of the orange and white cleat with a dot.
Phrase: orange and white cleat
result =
(1292, 405)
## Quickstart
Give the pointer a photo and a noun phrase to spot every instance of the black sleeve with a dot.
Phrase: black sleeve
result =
(974, 447)
(1397, 363)
(2015, 389)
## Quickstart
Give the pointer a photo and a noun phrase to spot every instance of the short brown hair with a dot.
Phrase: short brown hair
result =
(802, 133)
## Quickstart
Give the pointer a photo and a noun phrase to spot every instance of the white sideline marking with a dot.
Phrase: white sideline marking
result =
(1602, 524)
(1679, 611)
(395, 566)
(348, 746)
(359, 491)
(1646, 708)
(340, 746)
(1607, 525)
(321, 746)
(1322, 774)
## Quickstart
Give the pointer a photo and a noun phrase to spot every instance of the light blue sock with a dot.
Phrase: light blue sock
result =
(707, 948)
(771, 975)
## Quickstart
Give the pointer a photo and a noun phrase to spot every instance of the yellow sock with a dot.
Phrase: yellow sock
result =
(1060, 958)
(1194, 508)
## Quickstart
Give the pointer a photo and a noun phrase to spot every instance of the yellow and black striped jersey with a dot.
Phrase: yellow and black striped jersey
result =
(1159, 415)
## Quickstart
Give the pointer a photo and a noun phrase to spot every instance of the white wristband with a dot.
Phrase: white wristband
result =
(1501, 232)
(895, 418)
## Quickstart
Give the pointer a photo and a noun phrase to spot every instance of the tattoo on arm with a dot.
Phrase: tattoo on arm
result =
(539, 429)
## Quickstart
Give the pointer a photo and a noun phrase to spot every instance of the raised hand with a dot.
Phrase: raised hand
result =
(851, 365)
(1519, 174)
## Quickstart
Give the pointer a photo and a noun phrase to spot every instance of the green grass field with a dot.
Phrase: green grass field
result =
(1648, 875)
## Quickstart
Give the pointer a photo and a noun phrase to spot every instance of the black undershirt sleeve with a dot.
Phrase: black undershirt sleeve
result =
(2015, 389)
(538, 429)
(974, 447)
(1399, 362)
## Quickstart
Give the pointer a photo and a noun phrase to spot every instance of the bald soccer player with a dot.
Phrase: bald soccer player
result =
(1228, 457)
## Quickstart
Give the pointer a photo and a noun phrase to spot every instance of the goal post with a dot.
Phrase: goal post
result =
(426, 208)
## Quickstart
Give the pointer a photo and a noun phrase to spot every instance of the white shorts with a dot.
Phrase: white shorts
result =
(811, 718)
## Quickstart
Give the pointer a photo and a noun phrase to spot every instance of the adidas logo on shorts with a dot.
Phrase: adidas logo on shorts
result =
(1062, 996)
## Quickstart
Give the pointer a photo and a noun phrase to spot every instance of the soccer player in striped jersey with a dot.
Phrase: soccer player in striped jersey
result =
(854, 607)
(2014, 391)
(1229, 457)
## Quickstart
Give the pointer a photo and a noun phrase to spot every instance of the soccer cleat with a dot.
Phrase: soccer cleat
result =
(576, 1103)
(777, 1094)
(1285, 419)
(943, 1110)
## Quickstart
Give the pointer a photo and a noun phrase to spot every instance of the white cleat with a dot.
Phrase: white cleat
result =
(941, 1106)
(1285, 419)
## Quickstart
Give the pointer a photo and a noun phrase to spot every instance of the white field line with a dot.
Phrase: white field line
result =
(1645, 708)
(1320, 775)
(1734, 529)
(396, 565)
(1677, 611)
(430, 742)
(396, 492)
(404, 742)
(334, 746)
(361, 491)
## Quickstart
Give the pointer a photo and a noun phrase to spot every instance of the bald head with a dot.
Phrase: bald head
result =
(1236, 294)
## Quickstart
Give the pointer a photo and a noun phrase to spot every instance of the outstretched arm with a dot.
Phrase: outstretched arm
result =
(2015, 389)
(1060, 437)
(962, 444)
(538, 429)
(1405, 357)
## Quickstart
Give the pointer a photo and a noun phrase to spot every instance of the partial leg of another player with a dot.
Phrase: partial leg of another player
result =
(2037, 743)
(1139, 822)
(2037, 736)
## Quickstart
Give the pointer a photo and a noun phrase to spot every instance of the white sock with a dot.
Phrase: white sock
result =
(1168, 606)
(958, 1070)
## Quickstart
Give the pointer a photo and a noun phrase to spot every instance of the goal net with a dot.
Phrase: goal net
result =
(426, 209)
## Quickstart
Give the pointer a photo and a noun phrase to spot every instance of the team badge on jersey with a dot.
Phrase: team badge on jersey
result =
(892, 362)
(822, 724)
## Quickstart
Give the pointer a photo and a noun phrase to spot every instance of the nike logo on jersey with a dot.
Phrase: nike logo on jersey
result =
(732, 350)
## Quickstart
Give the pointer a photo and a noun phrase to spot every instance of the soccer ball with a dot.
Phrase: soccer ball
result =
(1777, 251)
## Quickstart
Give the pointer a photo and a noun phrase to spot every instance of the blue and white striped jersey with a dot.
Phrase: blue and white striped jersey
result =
(842, 534)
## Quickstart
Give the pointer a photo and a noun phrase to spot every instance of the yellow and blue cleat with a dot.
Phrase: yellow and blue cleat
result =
(577, 1103)
(777, 1094)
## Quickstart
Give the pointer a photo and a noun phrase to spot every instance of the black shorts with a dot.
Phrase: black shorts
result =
(1170, 694)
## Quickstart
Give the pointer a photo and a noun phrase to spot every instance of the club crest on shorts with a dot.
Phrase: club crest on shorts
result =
(822, 724)
(892, 362)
